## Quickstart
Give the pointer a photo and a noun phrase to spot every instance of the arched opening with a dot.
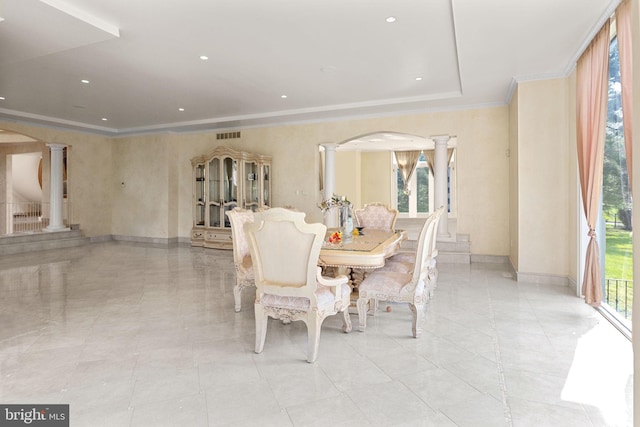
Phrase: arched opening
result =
(367, 171)
(25, 171)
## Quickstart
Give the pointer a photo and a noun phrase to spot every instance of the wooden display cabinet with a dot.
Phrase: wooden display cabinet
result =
(225, 179)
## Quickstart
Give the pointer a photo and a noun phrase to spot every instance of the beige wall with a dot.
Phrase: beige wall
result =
(482, 143)
(349, 176)
(545, 190)
(156, 199)
(140, 187)
(376, 178)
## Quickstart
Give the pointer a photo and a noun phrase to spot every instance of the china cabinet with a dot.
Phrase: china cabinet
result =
(222, 180)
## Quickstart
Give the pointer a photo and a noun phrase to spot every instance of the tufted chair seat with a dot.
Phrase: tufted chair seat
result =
(323, 295)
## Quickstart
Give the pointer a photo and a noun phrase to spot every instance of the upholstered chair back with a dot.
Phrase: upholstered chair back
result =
(376, 216)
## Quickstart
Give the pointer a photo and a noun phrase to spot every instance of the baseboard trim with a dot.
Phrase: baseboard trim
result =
(489, 259)
(542, 279)
(168, 242)
(100, 239)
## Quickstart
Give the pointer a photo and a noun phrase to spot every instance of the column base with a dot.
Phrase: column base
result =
(52, 228)
(445, 237)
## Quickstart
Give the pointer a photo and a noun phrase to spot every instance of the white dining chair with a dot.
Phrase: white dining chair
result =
(391, 284)
(290, 287)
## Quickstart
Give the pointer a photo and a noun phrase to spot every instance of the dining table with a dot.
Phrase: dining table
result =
(354, 255)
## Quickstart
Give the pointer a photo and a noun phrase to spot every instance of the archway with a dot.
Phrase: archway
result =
(25, 171)
(367, 171)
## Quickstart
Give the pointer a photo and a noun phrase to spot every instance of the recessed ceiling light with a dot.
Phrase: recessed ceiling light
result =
(180, 109)
(283, 96)
(104, 119)
(2, 98)
(85, 81)
(204, 57)
(391, 19)
(418, 78)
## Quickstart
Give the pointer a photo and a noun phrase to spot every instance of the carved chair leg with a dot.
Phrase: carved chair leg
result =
(237, 297)
(433, 280)
(373, 307)
(417, 311)
(362, 313)
(346, 320)
(314, 324)
(261, 327)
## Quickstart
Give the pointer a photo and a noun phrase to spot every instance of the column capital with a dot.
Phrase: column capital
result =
(440, 139)
(56, 146)
(331, 146)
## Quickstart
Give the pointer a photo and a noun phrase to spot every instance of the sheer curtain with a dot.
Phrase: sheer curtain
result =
(430, 156)
(592, 73)
(623, 25)
(407, 162)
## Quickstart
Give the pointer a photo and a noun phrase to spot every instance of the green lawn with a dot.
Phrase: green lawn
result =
(619, 255)
(619, 265)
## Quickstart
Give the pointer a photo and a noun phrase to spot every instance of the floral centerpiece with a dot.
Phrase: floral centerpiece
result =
(334, 201)
(345, 212)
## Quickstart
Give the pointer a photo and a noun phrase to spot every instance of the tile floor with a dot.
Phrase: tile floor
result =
(136, 335)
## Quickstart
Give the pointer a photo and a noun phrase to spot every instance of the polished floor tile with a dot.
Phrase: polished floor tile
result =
(139, 335)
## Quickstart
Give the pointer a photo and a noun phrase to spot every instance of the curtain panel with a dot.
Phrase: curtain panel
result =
(592, 74)
(407, 162)
(430, 156)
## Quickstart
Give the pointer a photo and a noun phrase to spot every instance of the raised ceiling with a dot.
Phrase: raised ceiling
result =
(332, 59)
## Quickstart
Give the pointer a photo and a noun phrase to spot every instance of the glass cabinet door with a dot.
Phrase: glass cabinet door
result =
(266, 186)
(230, 191)
(214, 181)
(214, 193)
(251, 190)
(199, 195)
(230, 177)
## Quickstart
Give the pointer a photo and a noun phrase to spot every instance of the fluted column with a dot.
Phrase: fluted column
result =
(56, 194)
(330, 219)
(440, 175)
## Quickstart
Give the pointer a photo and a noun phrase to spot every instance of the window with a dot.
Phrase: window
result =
(420, 200)
(616, 203)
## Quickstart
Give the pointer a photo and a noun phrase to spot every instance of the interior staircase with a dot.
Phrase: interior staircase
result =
(454, 250)
(32, 242)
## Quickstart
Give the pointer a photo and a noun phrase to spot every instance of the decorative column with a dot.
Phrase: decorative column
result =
(6, 226)
(55, 209)
(440, 175)
(329, 181)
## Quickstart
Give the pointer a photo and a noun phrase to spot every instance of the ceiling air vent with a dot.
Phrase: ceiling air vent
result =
(228, 135)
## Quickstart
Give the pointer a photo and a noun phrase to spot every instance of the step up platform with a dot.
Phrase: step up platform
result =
(32, 242)
(450, 252)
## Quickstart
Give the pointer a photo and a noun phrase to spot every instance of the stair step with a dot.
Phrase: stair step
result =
(456, 252)
(21, 243)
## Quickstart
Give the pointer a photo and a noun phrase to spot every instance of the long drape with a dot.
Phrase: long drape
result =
(430, 157)
(407, 162)
(623, 26)
(592, 73)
